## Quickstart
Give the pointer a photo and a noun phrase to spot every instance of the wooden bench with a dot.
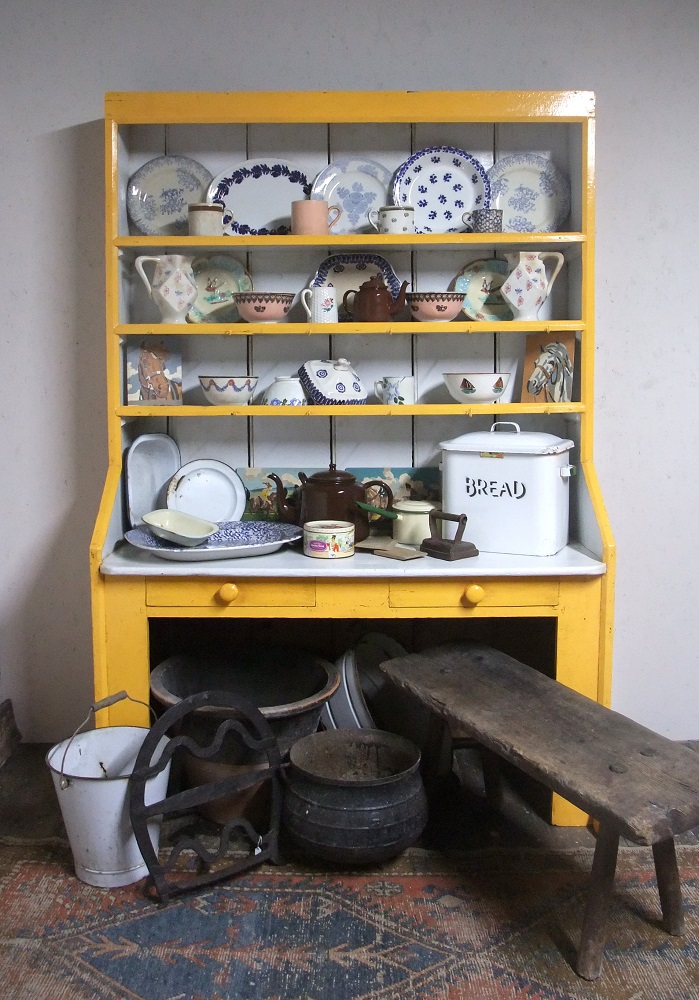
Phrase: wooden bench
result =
(634, 782)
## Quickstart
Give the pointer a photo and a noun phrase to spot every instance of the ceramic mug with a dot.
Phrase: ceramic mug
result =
(311, 217)
(205, 219)
(483, 220)
(393, 219)
(396, 390)
(320, 304)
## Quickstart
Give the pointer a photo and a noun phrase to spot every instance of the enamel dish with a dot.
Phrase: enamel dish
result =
(158, 195)
(178, 527)
(256, 196)
(356, 186)
(532, 192)
(441, 183)
(151, 462)
(232, 541)
(208, 489)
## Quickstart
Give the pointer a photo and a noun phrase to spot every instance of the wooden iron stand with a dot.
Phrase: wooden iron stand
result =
(634, 782)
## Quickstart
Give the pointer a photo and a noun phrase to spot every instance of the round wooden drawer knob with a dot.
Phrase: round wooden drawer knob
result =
(474, 594)
(228, 593)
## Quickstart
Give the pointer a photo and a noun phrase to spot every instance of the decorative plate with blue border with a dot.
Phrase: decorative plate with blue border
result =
(256, 196)
(532, 192)
(347, 271)
(233, 540)
(158, 195)
(355, 185)
(441, 183)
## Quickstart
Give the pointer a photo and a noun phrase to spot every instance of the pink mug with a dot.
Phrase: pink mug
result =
(312, 218)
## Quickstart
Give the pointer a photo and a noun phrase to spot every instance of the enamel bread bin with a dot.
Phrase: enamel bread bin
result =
(513, 485)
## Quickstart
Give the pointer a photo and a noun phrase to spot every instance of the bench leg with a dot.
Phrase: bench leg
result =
(592, 939)
(669, 887)
(492, 778)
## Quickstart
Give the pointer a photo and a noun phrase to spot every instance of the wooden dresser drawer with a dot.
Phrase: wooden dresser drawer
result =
(228, 592)
(483, 592)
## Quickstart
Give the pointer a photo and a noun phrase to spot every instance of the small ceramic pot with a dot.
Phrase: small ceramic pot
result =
(328, 539)
(286, 390)
(263, 307)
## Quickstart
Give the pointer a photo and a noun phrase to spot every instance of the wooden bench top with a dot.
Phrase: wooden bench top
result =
(644, 784)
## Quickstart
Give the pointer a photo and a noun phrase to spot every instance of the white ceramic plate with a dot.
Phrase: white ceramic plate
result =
(532, 192)
(158, 194)
(217, 278)
(357, 186)
(256, 196)
(480, 282)
(208, 489)
(232, 541)
(441, 183)
(151, 462)
(347, 271)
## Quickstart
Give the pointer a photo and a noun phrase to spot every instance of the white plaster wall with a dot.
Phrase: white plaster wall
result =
(56, 62)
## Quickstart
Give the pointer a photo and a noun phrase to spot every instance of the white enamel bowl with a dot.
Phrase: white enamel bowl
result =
(178, 527)
(476, 387)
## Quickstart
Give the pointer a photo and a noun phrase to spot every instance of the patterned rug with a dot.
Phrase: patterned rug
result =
(480, 925)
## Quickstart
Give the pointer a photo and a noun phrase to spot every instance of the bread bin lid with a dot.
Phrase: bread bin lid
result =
(517, 442)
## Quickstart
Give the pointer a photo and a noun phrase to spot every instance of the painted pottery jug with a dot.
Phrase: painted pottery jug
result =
(172, 286)
(373, 302)
(528, 285)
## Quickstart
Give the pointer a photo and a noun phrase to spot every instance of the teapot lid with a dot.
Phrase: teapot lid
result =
(332, 475)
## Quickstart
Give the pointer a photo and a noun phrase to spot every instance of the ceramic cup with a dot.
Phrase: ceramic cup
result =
(205, 219)
(396, 390)
(393, 219)
(311, 217)
(483, 220)
(320, 304)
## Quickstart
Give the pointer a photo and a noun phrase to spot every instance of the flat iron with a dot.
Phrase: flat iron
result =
(447, 548)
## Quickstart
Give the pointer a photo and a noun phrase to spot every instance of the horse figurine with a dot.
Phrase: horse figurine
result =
(553, 374)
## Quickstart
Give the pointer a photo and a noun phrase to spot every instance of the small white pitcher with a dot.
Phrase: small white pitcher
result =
(173, 288)
(528, 286)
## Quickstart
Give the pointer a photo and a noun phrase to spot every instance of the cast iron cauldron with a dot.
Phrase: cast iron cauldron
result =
(354, 796)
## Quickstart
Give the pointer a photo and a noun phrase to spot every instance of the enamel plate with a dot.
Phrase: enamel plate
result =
(151, 462)
(208, 489)
(356, 186)
(159, 193)
(441, 183)
(532, 192)
(256, 196)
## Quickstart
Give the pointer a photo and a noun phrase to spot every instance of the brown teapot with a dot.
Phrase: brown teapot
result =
(330, 494)
(373, 303)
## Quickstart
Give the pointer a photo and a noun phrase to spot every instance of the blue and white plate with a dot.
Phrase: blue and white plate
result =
(217, 278)
(532, 192)
(441, 183)
(355, 185)
(480, 283)
(256, 196)
(233, 540)
(158, 195)
(347, 271)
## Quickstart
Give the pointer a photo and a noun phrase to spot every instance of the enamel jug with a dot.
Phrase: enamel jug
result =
(527, 286)
(172, 287)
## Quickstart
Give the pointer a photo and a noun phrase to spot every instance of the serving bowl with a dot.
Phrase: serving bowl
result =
(228, 390)
(178, 527)
(263, 307)
(434, 307)
(476, 387)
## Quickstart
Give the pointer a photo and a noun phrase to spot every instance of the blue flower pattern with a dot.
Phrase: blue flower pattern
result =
(257, 171)
(413, 183)
(355, 202)
(523, 199)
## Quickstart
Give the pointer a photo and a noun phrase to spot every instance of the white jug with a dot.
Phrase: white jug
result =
(528, 286)
(173, 288)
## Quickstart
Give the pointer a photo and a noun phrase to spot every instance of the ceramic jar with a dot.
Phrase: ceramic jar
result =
(286, 390)
(329, 382)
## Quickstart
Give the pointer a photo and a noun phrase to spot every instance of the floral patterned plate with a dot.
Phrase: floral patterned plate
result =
(233, 540)
(480, 282)
(217, 278)
(356, 185)
(158, 195)
(441, 183)
(256, 196)
(532, 192)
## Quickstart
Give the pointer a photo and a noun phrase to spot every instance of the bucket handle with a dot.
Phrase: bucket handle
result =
(97, 706)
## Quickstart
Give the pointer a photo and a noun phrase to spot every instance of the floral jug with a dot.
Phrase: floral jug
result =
(528, 286)
(172, 287)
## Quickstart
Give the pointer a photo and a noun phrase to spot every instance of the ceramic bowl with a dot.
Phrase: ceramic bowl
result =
(178, 527)
(476, 387)
(434, 307)
(263, 307)
(228, 390)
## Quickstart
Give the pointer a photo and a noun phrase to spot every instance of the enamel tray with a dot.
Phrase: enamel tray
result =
(357, 186)
(232, 541)
(218, 278)
(151, 462)
(441, 183)
(480, 282)
(532, 192)
(158, 195)
(208, 489)
(256, 196)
